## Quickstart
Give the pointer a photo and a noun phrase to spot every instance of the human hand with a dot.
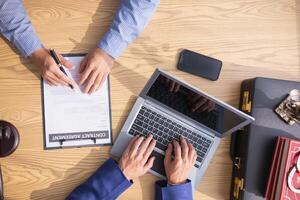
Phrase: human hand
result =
(199, 103)
(94, 69)
(178, 169)
(172, 86)
(49, 69)
(135, 160)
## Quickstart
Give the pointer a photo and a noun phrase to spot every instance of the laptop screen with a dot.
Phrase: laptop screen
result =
(194, 105)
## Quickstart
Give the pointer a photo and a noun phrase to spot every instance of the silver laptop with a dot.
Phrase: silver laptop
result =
(169, 108)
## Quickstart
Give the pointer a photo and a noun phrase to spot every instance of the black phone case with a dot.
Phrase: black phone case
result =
(199, 65)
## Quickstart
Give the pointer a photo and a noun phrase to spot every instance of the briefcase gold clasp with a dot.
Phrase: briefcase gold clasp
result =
(238, 186)
(246, 106)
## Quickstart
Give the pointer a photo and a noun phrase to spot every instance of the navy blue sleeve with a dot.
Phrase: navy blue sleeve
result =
(177, 192)
(108, 182)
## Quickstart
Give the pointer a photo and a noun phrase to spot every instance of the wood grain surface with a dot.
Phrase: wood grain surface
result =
(252, 38)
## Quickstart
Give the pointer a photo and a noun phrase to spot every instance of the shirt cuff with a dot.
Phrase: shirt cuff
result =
(28, 43)
(113, 44)
(167, 192)
(113, 168)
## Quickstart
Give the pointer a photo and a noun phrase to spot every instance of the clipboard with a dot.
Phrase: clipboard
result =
(89, 133)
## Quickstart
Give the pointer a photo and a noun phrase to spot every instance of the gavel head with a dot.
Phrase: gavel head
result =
(9, 138)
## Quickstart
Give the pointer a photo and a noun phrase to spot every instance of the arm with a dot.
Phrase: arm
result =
(130, 20)
(16, 27)
(108, 182)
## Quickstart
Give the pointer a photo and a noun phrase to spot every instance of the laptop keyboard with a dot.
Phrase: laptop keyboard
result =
(164, 130)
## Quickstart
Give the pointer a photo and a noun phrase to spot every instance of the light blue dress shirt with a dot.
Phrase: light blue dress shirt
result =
(130, 19)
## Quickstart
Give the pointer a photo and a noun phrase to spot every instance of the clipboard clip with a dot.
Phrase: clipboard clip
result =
(62, 141)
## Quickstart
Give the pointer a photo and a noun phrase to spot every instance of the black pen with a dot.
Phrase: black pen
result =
(57, 61)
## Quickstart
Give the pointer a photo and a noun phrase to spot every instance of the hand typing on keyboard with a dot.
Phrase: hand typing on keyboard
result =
(165, 130)
(179, 167)
(136, 160)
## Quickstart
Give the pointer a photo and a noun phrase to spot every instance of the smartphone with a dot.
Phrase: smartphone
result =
(199, 65)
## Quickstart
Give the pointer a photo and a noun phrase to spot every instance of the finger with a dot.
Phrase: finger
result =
(131, 142)
(194, 159)
(194, 97)
(192, 151)
(177, 87)
(52, 81)
(136, 145)
(149, 150)
(205, 107)
(102, 81)
(172, 86)
(83, 64)
(149, 163)
(85, 74)
(60, 75)
(185, 148)
(65, 62)
(211, 107)
(198, 104)
(49, 82)
(133, 139)
(145, 144)
(96, 84)
(91, 81)
(177, 150)
(168, 154)
(56, 80)
(208, 106)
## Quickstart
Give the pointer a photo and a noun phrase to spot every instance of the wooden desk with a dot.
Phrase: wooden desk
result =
(253, 38)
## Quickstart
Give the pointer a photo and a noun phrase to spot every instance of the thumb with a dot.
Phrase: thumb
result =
(149, 163)
(168, 154)
(65, 62)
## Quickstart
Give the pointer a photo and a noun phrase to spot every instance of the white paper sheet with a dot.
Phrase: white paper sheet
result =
(72, 118)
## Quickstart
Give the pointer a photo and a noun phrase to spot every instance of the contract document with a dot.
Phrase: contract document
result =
(73, 118)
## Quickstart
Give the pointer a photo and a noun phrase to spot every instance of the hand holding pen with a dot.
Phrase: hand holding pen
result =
(60, 66)
(49, 69)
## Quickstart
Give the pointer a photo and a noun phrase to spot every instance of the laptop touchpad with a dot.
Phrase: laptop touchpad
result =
(158, 165)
